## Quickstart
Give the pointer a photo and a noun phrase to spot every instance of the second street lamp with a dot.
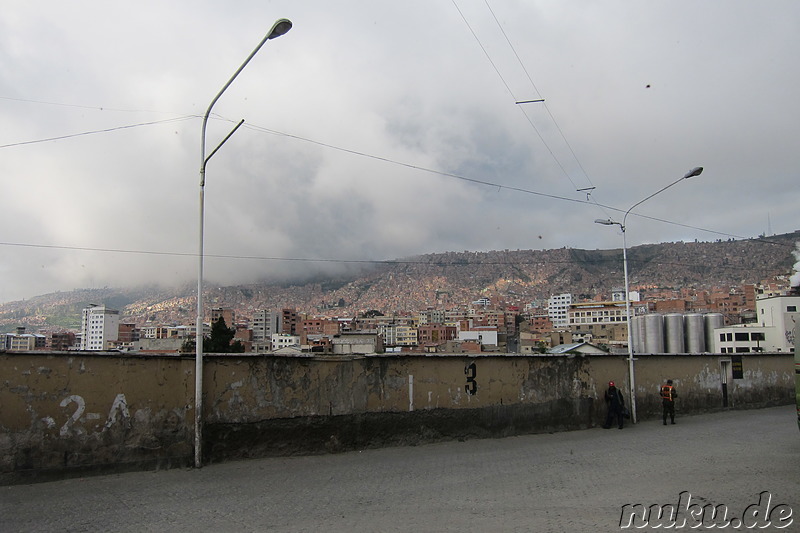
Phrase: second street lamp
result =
(280, 27)
(622, 225)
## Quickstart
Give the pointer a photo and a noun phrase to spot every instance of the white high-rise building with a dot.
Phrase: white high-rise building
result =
(99, 326)
(557, 309)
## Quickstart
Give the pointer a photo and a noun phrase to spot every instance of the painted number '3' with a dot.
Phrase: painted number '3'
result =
(471, 372)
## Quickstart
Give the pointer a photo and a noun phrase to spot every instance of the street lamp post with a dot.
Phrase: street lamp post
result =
(622, 225)
(280, 27)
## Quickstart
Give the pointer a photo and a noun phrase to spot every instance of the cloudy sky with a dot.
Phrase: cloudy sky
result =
(377, 130)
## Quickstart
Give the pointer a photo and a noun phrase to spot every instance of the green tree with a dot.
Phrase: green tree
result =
(220, 339)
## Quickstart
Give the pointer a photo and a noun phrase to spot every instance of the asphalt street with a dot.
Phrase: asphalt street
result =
(571, 481)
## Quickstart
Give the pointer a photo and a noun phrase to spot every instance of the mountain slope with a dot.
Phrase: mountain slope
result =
(439, 280)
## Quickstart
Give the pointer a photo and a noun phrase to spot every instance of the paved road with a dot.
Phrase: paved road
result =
(573, 481)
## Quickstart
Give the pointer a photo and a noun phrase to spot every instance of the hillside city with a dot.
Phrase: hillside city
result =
(495, 302)
(484, 325)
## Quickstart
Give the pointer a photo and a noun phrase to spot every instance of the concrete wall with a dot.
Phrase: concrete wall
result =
(65, 414)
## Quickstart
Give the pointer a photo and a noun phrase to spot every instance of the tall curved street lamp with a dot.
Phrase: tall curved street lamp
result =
(280, 27)
(622, 225)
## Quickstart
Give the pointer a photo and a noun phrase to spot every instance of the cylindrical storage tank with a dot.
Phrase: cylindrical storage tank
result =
(639, 334)
(694, 327)
(673, 333)
(713, 321)
(654, 333)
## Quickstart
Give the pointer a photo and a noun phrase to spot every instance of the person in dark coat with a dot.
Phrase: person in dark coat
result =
(616, 406)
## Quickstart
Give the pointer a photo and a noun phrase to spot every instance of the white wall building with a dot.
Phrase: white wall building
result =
(485, 335)
(99, 326)
(774, 332)
(284, 340)
(557, 308)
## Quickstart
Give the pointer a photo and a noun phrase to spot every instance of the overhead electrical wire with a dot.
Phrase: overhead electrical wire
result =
(511, 92)
(587, 190)
(349, 151)
(536, 89)
(493, 185)
(79, 106)
(345, 150)
(95, 132)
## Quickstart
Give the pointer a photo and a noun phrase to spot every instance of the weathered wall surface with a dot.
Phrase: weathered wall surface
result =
(81, 412)
(63, 413)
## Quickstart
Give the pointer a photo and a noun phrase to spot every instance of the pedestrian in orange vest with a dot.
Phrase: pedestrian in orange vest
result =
(668, 395)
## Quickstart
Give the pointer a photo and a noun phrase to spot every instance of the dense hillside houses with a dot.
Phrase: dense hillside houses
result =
(663, 321)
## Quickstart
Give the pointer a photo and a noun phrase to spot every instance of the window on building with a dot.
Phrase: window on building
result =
(791, 308)
(742, 349)
(729, 337)
(758, 336)
(742, 336)
(722, 338)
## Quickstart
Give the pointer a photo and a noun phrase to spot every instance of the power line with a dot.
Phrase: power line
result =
(536, 89)
(508, 88)
(79, 106)
(493, 185)
(352, 152)
(95, 132)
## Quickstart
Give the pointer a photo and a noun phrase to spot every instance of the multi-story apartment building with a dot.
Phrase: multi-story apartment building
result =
(490, 317)
(290, 321)
(397, 334)
(128, 333)
(581, 314)
(62, 341)
(99, 327)
(324, 326)
(265, 323)
(539, 320)
(455, 315)
(22, 342)
(228, 314)
(557, 307)
(436, 333)
(432, 316)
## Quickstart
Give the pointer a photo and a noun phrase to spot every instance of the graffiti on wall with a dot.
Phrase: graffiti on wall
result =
(119, 408)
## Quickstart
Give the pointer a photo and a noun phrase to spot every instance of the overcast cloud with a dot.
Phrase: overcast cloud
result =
(348, 114)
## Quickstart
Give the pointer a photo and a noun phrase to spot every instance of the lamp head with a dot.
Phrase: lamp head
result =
(696, 171)
(280, 27)
(605, 222)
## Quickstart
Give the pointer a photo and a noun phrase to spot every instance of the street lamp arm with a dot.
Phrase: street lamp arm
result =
(280, 27)
(694, 172)
(228, 136)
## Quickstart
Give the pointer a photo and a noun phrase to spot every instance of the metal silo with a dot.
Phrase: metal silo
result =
(639, 334)
(673, 333)
(713, 321)
(694, 327)
(654, 333)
